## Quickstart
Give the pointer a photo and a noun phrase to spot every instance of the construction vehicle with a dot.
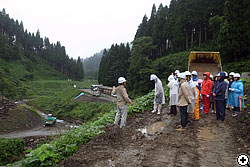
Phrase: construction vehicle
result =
(204, 62)
(49, 120)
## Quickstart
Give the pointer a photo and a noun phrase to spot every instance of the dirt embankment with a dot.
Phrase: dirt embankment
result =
(16, 118)
(206, 142)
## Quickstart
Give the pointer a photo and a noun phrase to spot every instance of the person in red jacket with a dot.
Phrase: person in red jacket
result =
(206, 89)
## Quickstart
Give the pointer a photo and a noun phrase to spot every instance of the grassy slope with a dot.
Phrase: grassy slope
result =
(15, 74)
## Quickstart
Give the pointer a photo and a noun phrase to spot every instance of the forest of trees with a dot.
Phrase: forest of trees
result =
(214, 25)
(16, 41)
(114, 63)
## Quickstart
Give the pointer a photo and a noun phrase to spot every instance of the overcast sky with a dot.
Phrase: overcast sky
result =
(84, 27)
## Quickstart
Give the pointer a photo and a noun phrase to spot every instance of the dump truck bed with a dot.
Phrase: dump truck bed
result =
(204, 62)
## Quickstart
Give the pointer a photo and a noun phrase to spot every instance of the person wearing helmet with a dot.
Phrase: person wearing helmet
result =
(184, 99)
(199, 84)
(226, 95)
(195, 76)
(122, 101)
(176, 74)
(206, 89)
(211, 77)
(159, 94)
(219, 94)
(192, 90)
(197, 107)
(230, 93)
(173, 95)
(238, 92)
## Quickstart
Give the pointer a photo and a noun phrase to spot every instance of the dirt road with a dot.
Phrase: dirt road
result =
(207, 143)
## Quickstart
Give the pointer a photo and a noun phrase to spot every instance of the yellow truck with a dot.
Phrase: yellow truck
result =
(204, 62)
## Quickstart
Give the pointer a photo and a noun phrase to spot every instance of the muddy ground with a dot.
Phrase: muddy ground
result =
(207, 142)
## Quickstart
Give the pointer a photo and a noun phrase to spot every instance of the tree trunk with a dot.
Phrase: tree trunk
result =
(205, 29)
(200, 37)
(192, 39)
(186, 40)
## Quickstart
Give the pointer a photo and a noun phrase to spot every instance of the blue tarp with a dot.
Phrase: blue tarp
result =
(79, 95)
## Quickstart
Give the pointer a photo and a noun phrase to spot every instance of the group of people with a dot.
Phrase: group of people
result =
(187, 91)
(218, 92)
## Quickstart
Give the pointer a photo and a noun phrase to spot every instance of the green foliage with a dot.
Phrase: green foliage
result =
(139, 69)
(168, 64)
(88, 110)
(114, 64)
(50, 154)
(15, 42)
(11, 150)
(146, 102)
(57, 97)
(234, 33)
(239, 67)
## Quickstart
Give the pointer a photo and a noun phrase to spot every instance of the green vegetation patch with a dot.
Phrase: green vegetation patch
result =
(11, 150)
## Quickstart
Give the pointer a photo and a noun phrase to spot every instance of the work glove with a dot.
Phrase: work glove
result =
(231, 89)
(207, 96)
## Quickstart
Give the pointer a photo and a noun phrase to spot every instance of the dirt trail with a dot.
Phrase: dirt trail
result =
(205, 143)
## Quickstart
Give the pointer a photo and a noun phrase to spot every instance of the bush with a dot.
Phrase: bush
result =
(239, 67)
(11, 150)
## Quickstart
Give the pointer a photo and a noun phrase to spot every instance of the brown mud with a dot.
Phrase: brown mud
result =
(206, 142)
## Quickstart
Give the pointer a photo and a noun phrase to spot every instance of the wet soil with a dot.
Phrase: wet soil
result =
(18, 119)
(207, 142)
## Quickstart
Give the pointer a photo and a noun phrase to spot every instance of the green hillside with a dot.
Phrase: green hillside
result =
(15, 74)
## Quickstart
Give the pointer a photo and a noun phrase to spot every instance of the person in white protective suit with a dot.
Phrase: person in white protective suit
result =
(194, 93)
(159, 94)
(173, 94)
(176, 74)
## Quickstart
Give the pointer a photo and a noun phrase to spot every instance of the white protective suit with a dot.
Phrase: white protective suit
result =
(159, 94)
(192, 86)
(173, 85)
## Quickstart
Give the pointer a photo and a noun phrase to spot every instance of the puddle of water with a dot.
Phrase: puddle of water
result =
(60, 121)
(152, 129)
(206, 133)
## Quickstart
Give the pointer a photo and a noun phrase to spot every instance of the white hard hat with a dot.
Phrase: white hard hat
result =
(177, 72)
(226, 74)
(187, 73)
(153, 77)
(231, 73)
(194, 73)
(237, 75)
(211, 76)
(182, 75)
(121, 80)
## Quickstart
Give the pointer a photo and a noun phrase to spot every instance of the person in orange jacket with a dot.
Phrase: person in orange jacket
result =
(197, 107)
(206, 89)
